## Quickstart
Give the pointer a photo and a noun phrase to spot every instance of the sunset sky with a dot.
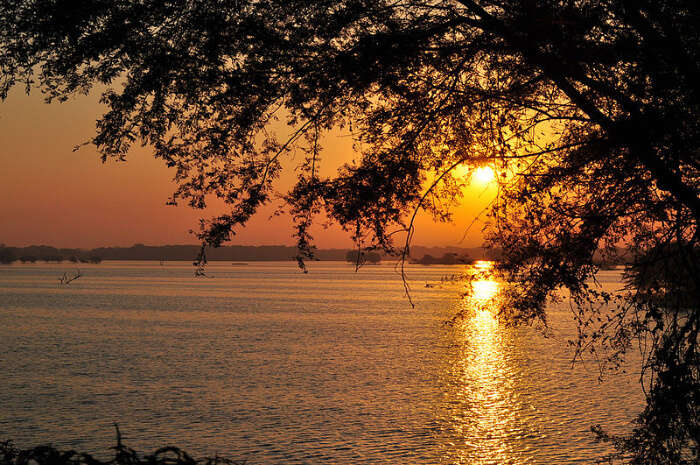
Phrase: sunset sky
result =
(54, 196)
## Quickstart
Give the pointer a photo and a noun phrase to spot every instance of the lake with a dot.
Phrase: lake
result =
(263, 363)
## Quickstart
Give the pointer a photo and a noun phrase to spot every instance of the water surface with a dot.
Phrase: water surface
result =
(264, 363)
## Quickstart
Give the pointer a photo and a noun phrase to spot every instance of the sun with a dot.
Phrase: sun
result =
(484, 175)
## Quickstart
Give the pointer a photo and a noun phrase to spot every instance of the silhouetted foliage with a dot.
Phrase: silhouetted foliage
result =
(660, 275)
(587, 109)
(446, 259)
(51, 254)
(362, 257)
(123, 455)
(7, 255)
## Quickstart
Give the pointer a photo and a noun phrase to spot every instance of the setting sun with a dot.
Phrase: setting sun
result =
(484, 175)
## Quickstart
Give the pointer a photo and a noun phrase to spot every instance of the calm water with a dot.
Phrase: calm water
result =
(264, 363)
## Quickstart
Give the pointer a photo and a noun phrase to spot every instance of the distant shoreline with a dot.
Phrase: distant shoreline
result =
(233, 253)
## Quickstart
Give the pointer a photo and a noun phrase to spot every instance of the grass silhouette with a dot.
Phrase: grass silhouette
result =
(123, 455)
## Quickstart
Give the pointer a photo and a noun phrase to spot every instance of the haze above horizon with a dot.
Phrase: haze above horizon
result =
(64, 198)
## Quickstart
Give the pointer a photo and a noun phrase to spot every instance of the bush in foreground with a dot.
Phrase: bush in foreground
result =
(49, 455)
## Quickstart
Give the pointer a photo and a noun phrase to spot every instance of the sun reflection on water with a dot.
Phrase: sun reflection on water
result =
(484, 290)
(483, 406)
(483, 265)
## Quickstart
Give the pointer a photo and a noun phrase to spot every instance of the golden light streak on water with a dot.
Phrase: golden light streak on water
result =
(486, 420)
(483, 265)
(483, 291)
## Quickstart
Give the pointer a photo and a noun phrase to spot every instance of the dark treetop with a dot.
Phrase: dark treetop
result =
(587, 108)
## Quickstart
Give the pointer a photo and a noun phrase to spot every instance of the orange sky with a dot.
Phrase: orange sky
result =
(51, 195)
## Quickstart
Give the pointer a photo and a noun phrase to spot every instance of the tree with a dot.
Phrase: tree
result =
(361, 257)
(587, 109)
(7, 255)
(446, 259)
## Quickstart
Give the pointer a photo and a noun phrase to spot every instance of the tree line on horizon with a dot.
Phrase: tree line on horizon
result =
(50, 254)
(47, 254)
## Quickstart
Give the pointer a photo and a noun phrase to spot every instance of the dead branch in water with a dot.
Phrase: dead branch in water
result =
(67, 279)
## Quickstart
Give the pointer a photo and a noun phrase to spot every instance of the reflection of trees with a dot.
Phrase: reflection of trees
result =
(587, 110)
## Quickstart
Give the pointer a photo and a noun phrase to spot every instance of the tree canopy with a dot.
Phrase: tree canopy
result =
(586, 109)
